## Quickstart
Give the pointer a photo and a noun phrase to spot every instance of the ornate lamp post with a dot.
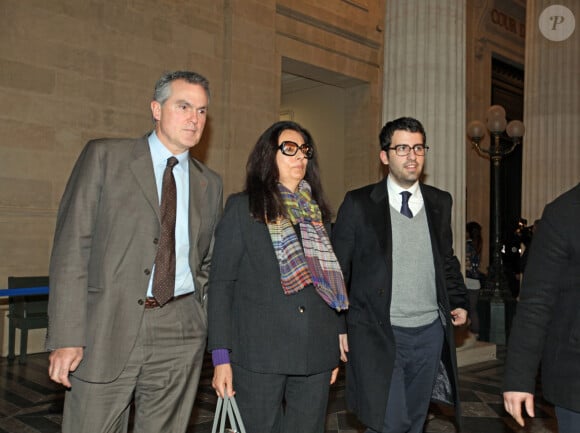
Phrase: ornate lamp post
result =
(497, 289)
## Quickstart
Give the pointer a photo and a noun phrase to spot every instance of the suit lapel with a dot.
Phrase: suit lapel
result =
(433, 212)
(142, 168)
(382, 220)
(197, 191)
(432, 209)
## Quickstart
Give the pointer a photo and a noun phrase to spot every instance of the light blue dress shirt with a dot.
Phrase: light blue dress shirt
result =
(183, 278)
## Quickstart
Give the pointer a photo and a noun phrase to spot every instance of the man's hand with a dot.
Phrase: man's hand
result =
(223, 380)
(512, 401)
(343, 344)
(459, 317)
(334, 375)
(63, 361)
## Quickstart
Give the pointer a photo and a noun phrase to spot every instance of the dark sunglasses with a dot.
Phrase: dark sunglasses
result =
(289, 148)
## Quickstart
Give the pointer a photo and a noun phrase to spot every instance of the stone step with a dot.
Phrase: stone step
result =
(476, 352)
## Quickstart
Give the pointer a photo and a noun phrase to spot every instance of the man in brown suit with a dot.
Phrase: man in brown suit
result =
(111, 339)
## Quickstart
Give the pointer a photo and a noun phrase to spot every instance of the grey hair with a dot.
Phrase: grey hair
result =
(163, 86)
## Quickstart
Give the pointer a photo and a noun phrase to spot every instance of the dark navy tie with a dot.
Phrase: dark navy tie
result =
(405, 205)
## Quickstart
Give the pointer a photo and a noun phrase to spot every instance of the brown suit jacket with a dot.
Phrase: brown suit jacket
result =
(104, 248)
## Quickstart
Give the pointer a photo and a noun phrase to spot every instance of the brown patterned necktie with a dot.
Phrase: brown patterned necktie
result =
(164, 276)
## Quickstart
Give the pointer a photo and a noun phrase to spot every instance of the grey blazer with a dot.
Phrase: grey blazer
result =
(104, 247)
(265, 330)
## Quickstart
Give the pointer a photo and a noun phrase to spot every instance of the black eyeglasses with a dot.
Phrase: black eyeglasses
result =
(405, 149)
(289, 148)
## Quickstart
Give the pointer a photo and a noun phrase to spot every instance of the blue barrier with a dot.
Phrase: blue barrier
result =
(41, 290)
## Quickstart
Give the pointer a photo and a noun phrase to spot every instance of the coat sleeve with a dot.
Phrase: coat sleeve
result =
(70, 256)
(228, 251)
(454, 281)
(343, 237)
(203, 275)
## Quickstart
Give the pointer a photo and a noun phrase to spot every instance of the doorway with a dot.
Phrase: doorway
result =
(507, 90)
(320, 100)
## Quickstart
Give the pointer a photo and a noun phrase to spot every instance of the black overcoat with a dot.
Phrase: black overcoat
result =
(546, 327)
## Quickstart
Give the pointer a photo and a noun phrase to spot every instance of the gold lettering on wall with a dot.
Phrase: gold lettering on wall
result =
(508, 23)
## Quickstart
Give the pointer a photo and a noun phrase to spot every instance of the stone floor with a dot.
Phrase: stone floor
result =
(30, 403)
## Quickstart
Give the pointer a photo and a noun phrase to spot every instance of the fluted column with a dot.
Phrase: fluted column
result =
(551, 152)
(425, 78)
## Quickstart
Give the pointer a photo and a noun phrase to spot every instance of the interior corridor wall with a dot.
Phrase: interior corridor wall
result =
(321, 110)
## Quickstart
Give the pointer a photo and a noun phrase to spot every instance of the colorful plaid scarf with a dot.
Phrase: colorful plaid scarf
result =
(314, 262)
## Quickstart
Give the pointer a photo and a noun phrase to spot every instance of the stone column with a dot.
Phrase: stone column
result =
(551, 154)
(424, 77)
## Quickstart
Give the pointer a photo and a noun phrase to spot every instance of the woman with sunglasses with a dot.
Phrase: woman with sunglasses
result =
(276, 290)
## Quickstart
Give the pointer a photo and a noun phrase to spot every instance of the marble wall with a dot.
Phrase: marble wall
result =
(75, 70)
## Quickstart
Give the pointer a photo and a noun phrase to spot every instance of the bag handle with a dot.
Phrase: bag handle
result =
(217, 413)
(227, 407)
(237, 416)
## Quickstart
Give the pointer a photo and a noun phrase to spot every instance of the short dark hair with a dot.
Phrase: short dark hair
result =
(163, 89)
(262, 175)
(401, 124)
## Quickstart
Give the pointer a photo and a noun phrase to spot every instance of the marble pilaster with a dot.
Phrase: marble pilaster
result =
(424, 77)
(551, 154)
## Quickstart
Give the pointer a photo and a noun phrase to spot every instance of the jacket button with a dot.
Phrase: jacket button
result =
(302, 309)
(156, 241)
(140, 301)
(147, 271)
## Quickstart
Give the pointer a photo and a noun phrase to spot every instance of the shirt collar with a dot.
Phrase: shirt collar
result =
(160, 154)
(395, 189)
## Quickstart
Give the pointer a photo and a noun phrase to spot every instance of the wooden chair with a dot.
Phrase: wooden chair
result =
(25, 312)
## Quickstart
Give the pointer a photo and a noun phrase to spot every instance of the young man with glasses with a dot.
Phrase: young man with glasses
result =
(394, 243)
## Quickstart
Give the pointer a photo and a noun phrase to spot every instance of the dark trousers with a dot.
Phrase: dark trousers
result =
(280, 403)
(416, 364)
(568, 420)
